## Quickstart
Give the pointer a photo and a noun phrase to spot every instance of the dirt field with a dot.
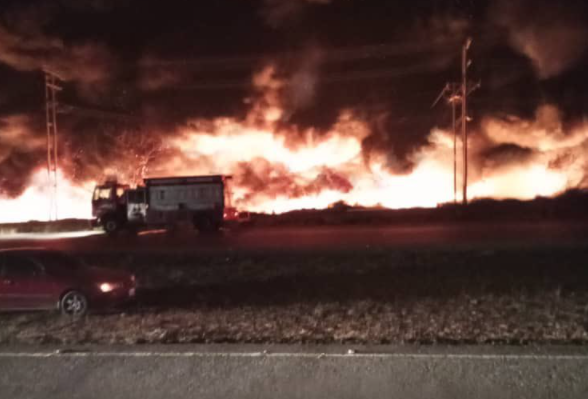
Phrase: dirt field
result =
(532, 295)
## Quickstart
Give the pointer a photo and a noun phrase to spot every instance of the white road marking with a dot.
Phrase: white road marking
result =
(451, 356)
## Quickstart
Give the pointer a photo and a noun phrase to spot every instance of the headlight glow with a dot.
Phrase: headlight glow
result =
(108, 287)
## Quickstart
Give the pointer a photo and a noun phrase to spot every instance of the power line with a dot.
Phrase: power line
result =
(340, 77)
(95, 113)
(345, 54)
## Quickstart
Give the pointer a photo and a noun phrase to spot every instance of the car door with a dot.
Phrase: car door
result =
(31, 287)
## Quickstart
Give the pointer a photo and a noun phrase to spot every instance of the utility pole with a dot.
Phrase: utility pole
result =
(51, 89)
(465, 92)
(464, 115)
(452, 94)
(454, 99)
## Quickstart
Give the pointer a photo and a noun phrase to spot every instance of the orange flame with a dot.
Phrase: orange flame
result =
(430, 183)
(34, 203)
(230, 144)
(279, 168)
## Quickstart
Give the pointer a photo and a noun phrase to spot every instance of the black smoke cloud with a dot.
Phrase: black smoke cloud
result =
(165, 63)
(26, 45)
(303, 79)
(86, 63)
(553, 35)
(505, 155)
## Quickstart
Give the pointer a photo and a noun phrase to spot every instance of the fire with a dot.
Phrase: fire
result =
(279, 167)
(556, 161)
(338, 151)
(73, 200)
(282, 170)
(522, 183)
(227, 146)
(273, 173)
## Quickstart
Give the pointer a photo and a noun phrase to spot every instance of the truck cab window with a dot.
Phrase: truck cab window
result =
(102, 193)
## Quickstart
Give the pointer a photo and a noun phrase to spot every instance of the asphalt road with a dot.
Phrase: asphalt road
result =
(245, 371)
(337, 238)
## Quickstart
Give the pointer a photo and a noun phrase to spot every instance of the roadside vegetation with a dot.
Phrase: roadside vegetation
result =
(532, 295)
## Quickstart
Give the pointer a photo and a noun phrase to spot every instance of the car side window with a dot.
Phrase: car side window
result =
(18, 266)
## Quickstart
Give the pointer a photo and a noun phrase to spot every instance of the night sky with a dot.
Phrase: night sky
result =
(161, 63)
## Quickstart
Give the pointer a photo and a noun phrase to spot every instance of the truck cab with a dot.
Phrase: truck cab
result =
(109, 205)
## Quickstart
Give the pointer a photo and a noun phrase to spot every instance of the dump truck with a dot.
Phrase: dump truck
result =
(163, 202)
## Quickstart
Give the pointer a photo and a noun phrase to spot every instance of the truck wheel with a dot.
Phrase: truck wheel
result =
(206, 225)
(111, 226)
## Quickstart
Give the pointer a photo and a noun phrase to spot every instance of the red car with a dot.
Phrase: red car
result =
(39, 279)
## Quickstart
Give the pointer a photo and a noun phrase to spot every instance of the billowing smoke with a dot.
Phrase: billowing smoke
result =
(24, 46)
(153, 77)
(286, 86)
(505, 155)
(554, 35)
(546, 132)
(541, 152)
(302, 84)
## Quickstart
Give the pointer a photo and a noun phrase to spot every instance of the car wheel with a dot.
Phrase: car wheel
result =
(73, 304)
(111, 226)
